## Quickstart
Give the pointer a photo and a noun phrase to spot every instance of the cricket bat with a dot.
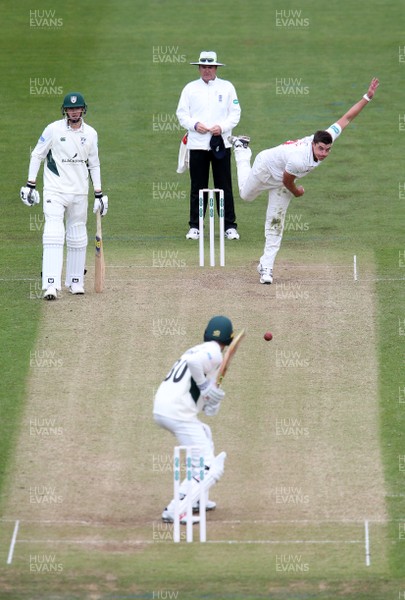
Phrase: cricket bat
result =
(228, 355)
(99, 266)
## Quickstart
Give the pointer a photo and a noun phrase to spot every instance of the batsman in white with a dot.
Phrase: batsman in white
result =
(189, 389)
(276, 169)
(70, 151)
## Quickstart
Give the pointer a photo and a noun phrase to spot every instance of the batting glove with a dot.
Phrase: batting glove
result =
(29, 195)
(212, 400)
(100, 203)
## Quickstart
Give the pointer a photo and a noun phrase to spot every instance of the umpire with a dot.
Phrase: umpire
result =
(209, 108)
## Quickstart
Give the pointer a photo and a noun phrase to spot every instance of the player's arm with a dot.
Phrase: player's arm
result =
(289, 183)
(39, 153)
(93, 165)
(200, 363)
(358, 107)
(28, 194)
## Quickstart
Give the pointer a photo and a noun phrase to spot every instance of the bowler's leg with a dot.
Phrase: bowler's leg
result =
(250, 186)
(279, 199)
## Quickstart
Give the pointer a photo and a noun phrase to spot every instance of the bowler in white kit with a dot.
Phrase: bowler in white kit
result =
(276, 169)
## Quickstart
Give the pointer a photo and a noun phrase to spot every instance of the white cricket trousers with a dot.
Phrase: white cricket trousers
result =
(56, 207)
(190, 433)
(254, 180)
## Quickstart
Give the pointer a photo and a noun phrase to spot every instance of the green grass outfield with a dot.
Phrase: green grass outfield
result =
(130, 60)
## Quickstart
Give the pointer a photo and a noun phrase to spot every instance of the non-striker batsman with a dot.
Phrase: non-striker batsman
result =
(69, 150)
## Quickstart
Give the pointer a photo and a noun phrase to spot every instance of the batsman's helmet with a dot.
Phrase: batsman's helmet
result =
(73, 100)
(220, 330)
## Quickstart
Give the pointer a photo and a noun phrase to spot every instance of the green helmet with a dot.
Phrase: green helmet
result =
(220, 330)
(73, 100)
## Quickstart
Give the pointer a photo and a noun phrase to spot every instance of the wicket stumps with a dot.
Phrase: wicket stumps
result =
(211, 211)
(190, 520)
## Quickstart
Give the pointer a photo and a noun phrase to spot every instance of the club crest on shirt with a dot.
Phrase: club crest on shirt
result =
(82, 141)
(220, 98)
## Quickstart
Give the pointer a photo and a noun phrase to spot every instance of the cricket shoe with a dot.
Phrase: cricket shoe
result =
(241, 141)
(76, 288)
(167, 516)
(50, 293)
(232, 234)
(209, 505)
(193, 234)
(266, 274)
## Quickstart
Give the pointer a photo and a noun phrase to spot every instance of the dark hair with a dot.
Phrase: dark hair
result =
(323, 137)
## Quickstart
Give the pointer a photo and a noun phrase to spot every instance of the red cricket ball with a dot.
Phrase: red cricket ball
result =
(268, 336)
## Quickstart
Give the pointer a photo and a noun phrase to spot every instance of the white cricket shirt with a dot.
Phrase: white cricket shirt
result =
(69, 155)
(178, 396)
(295, 156)
(212, 103)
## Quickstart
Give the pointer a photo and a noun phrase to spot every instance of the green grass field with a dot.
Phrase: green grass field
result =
(313, 423)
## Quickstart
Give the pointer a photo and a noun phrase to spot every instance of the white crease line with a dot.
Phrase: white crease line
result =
(367, 543)
(142, 542)
(13, 541)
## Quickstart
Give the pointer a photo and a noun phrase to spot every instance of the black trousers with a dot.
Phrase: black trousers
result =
(200, 161)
